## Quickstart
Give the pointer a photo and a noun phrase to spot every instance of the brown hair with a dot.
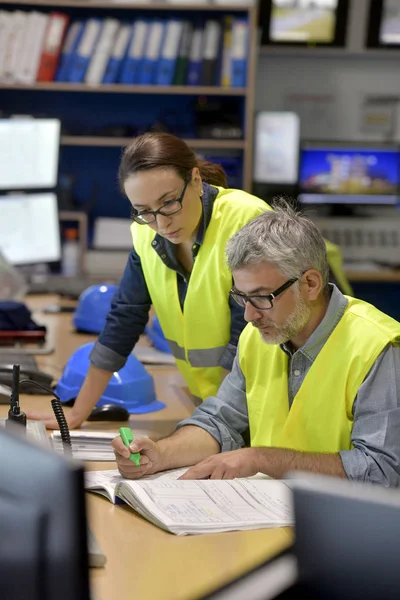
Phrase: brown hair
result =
(165, 151)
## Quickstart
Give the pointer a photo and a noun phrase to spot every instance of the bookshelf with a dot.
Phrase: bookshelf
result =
(75, 140)
(38, 94)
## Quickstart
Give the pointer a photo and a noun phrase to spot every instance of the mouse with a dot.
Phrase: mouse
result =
(109, 412)
(5, 394)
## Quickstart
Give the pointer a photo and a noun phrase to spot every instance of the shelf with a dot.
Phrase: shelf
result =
(328, 53)
(75, 140)
(374, 276)
(127, 89)
(131, 6)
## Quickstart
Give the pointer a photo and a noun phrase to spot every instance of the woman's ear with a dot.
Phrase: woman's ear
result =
(196, 179)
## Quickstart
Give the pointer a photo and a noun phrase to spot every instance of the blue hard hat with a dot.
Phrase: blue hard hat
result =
(93, 307)
(156, 335)
(132, 387)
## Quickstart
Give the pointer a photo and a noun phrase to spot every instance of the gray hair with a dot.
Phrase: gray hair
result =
(283, 237)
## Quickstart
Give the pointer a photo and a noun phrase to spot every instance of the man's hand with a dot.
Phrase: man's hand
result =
(150, 457)
(228, 465)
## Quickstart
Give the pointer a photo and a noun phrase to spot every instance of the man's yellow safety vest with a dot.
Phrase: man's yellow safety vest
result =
(320, 418)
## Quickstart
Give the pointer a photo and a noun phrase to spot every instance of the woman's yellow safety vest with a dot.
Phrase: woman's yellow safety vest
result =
(198, 335)
(320, 418)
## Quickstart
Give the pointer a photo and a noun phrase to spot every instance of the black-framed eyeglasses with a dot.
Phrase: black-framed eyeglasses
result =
(262, 301)
(169, 208)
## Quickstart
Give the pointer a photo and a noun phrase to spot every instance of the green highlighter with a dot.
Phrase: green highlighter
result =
(128, 437)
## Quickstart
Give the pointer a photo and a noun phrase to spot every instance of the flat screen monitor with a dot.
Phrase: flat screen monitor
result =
(347, 547)
(29, 150)
(29, 228)
(43, 551)
(334, 173)
(384, 24)
(304, 22)
(347, 539)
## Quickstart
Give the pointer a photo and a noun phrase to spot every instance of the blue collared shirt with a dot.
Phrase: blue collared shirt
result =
(131, 304)
(376, 409)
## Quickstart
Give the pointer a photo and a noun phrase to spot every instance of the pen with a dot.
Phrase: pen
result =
(128, 437)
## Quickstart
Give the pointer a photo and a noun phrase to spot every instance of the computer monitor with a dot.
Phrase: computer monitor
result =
(347, 546)
(384, 24)
(347, 538)
(29, 150)
(349, 173)
(29, 228)
(43, 547)
(303, 22)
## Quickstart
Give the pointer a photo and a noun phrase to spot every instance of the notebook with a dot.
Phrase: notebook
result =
(185, 507)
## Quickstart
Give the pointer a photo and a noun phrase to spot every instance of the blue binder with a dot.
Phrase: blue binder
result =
(134, 56)
(169, 52)
(72, 40)
(196, 56)
(154, 42)
(83, 53)
(118, 54)
(240, 42)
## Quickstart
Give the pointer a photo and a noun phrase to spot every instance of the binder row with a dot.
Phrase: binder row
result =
(39, 47)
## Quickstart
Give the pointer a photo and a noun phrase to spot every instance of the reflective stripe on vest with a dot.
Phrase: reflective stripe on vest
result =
(198, 358)
(199, 336)
(321, 416)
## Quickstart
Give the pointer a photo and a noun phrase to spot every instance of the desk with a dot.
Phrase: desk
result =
(374, 276)
(143, 561)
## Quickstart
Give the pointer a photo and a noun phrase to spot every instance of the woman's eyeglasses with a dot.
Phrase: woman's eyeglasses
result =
(169, 208)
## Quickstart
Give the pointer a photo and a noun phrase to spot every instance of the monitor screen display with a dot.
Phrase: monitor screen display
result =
(389, 32)
(304, 22)
(29, 150)
(384, 24)
(29, 228)
(349, 175)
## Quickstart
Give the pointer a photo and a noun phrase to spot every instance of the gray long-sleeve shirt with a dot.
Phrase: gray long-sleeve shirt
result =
(376, 410)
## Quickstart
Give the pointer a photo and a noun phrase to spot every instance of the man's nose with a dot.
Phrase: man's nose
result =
(251, 313)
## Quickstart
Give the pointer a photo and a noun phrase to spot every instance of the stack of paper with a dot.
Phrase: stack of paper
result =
(88, 445)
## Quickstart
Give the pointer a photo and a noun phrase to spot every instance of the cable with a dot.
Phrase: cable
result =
(15, 414)
(63, 425)
(58, 413)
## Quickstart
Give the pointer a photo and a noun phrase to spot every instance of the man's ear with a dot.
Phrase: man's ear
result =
(313, 281)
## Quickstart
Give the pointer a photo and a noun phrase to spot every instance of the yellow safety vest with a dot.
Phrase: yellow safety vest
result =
(320, 418)
(199, 335)
(335, 261)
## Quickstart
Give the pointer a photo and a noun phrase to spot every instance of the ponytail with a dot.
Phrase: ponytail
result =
(212, 173)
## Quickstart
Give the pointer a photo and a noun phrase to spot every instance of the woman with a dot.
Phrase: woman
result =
(183, 215)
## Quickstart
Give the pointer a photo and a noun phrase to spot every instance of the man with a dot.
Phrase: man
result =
(316, 375)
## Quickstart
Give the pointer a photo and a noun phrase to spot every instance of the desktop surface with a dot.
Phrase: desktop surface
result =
(144, 561)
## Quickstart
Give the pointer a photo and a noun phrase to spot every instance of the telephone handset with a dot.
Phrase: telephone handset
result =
(6, 375)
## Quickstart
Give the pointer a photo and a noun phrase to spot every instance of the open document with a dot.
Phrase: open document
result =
(202, 506)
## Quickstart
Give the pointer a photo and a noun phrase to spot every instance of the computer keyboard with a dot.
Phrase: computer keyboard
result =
(71, 287)
(96, 556)
(25, 361)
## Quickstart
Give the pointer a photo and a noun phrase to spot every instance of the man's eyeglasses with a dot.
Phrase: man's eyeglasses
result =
(169, 208)
(261, 302)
